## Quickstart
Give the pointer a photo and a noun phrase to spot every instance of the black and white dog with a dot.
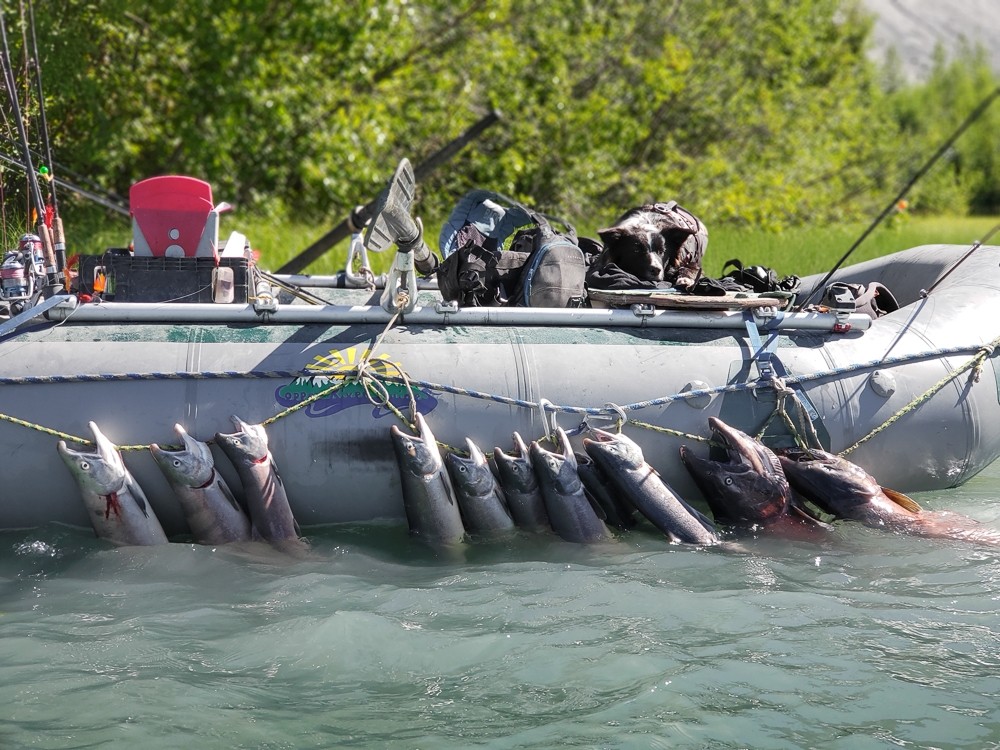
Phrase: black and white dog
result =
(656, 242)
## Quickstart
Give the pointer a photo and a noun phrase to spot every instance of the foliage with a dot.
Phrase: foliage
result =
(800, 250)
(761, 113)
(969, 175)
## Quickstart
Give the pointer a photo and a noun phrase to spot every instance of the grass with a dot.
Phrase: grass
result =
(801, 251)
(808, 250)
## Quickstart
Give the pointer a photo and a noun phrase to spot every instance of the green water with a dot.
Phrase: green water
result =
(860, 640)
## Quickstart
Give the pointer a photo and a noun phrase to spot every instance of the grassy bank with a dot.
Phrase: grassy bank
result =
(809, 250)
(800, 251)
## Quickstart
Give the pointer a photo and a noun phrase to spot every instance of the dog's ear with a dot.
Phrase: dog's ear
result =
(610, 235)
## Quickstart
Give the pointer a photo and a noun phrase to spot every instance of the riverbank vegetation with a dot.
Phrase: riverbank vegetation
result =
(765, 118)
(800, 250)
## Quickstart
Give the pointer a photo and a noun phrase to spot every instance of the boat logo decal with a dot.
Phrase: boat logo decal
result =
(333, 367)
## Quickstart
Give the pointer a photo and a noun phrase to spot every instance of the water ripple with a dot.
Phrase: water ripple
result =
(862, 640)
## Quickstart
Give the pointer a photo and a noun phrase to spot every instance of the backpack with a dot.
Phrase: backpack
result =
(555, 270)
(542, 267)
(477, 273)
(760, 279)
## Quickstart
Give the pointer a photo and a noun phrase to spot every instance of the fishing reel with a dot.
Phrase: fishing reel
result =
(22, 273)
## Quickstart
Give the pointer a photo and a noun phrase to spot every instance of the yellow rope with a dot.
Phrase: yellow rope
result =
(378, 395)
(306, 401)
(975, 364)
(783, 394)
(668, 431)
(358, 374)
(47, 430)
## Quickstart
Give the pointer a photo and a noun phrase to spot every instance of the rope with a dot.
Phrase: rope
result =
(373, 384)
(783, 394)
(47, 430)
(363, 373)
(975, 364)
(139, 376)
(668, 431)
(305, 402)
(711, 391)
(291, 374)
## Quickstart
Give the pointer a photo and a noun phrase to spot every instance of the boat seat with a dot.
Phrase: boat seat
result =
(173, 216)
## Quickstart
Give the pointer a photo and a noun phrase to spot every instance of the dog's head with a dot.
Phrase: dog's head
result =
(639, 251)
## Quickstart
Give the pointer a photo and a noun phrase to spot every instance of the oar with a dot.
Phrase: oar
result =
(357, 218)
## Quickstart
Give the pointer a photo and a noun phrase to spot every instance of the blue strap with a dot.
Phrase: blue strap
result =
(763, 353)
(764, 356)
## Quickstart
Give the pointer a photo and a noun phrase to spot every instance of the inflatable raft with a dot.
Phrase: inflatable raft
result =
(913, 396)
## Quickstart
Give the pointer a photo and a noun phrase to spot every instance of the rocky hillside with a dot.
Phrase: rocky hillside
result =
(915, 27)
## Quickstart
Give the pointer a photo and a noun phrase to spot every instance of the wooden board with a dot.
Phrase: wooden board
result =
(678, 301)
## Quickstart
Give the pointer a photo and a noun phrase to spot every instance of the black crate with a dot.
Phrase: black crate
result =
(145, 279)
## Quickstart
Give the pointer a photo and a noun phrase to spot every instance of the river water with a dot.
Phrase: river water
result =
(864, 639)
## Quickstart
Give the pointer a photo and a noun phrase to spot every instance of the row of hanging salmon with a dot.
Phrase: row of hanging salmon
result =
(454, 498)
(535, 489)
(793, 492)
(119, 511)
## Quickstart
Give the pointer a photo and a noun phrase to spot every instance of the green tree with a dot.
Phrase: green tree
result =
(763, 113)
(967, 179)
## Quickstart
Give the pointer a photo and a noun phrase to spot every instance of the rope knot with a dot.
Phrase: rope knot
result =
(982, 354)
(781, 393)
(402, 300)
(778, 384)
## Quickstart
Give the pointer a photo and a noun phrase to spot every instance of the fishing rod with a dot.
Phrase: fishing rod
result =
(58, 238)
(975, 246)
(79, 178)
(973, 116)
(106, 201)
(52, 271)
